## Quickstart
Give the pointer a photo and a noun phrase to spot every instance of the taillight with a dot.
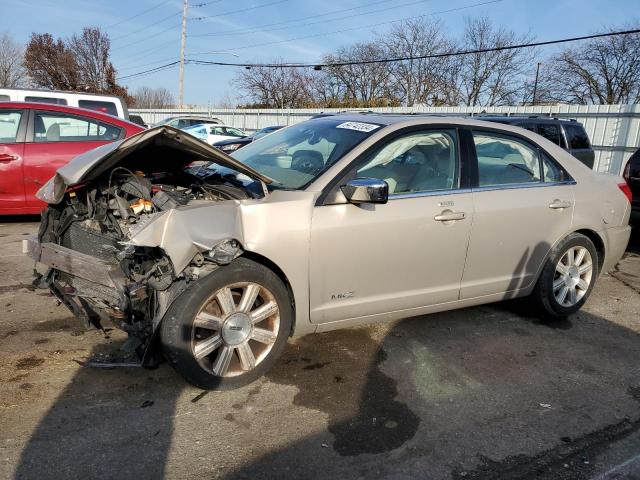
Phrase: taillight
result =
(626, 189)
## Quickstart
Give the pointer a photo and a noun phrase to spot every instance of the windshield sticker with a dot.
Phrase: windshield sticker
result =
(359, 126)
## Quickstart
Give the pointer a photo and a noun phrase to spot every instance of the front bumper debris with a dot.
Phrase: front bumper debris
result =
(75, 263)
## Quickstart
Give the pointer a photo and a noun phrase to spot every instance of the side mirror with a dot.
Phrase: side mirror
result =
(366, 190)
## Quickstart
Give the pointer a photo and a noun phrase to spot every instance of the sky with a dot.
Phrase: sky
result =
(146, 33)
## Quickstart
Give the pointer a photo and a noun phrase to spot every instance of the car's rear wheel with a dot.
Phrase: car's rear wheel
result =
(228, 329)
(567, 277)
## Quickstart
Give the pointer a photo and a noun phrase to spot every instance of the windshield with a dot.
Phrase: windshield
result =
(299, 154)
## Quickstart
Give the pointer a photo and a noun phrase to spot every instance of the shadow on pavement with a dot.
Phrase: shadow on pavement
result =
(460, 394)
(490, 392)
(105, 424)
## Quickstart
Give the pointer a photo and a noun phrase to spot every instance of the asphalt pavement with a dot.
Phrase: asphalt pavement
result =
(490, 392)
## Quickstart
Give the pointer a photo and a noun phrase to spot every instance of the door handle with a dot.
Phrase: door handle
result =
(558, 204)
(6, 157)
(449, 216)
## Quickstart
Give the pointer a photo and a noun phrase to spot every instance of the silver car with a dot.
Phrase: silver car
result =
(215, 261)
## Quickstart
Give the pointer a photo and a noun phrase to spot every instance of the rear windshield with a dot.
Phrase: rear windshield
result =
(104, 107)
(55, 101)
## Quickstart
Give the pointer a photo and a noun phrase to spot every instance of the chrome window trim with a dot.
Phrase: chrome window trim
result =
(512, 186)
(435, 193)
(431, 193)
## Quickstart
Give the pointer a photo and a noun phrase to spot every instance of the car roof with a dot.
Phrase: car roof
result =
(105, 117)
(408, 120)
(65, 92)
(522, 119)
(425, 119)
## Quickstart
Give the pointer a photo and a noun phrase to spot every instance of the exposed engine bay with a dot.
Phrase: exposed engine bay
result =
(86, 239)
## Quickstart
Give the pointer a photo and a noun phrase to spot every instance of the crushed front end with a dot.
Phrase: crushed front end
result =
(89, 238)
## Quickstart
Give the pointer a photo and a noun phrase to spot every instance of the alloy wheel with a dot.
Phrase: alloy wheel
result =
(573, 275)
(235, 329)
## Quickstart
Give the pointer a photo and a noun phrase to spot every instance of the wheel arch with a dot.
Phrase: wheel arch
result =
(261, 259)
(592, 235)
(598, 242)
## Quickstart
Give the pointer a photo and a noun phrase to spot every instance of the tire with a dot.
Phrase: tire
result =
(205, 337)
(548, 292)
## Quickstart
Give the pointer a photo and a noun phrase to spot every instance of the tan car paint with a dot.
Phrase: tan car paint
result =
(513, 231)
(390, 257)
(395, 259)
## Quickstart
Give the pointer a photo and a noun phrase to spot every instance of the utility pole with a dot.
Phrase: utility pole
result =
(183, 41)
(535, 85)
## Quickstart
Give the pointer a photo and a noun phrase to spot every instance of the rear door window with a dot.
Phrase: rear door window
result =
(100, 106)
(53, 100)
(550, 131)
(552, 172)
(9, 124)
(504, 160)
(576, 137)
(54, 127)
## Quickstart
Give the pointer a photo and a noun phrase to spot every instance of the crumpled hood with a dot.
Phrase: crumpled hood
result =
(183, 147)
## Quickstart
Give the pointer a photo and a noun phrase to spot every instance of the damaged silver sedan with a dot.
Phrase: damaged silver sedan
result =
(212, 262)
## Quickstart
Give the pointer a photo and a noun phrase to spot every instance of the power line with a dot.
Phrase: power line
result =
(388, 60)
(238, 31)
(137, 15)
(130, 62)
(418, 57)
(128, 45)
(240, 10)
(147, 27)
(156, 62)
(457, 9)
(198, 5)
(151, 70)
(180, 24)
(332, 20)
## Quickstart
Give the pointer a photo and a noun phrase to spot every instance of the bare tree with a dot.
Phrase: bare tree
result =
(496, 77)
(12, 72)
(365, 84)
(80, 63)
(147, 97)
(325, 89)
(91, 53)
(50, 64)
(422, 80)
(600, 71)
(274, 87)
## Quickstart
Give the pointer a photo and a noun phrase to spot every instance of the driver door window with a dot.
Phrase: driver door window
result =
(416, 162)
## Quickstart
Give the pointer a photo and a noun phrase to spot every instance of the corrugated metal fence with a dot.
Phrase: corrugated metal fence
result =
(614, 129)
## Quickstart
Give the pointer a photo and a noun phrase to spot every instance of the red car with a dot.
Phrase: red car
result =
(37, 138)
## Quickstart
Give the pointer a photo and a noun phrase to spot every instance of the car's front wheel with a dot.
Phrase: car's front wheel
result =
(229, 328)
(567, 277)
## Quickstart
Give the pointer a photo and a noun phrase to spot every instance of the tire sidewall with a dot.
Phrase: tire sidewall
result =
(544, 288)
(177, 324)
